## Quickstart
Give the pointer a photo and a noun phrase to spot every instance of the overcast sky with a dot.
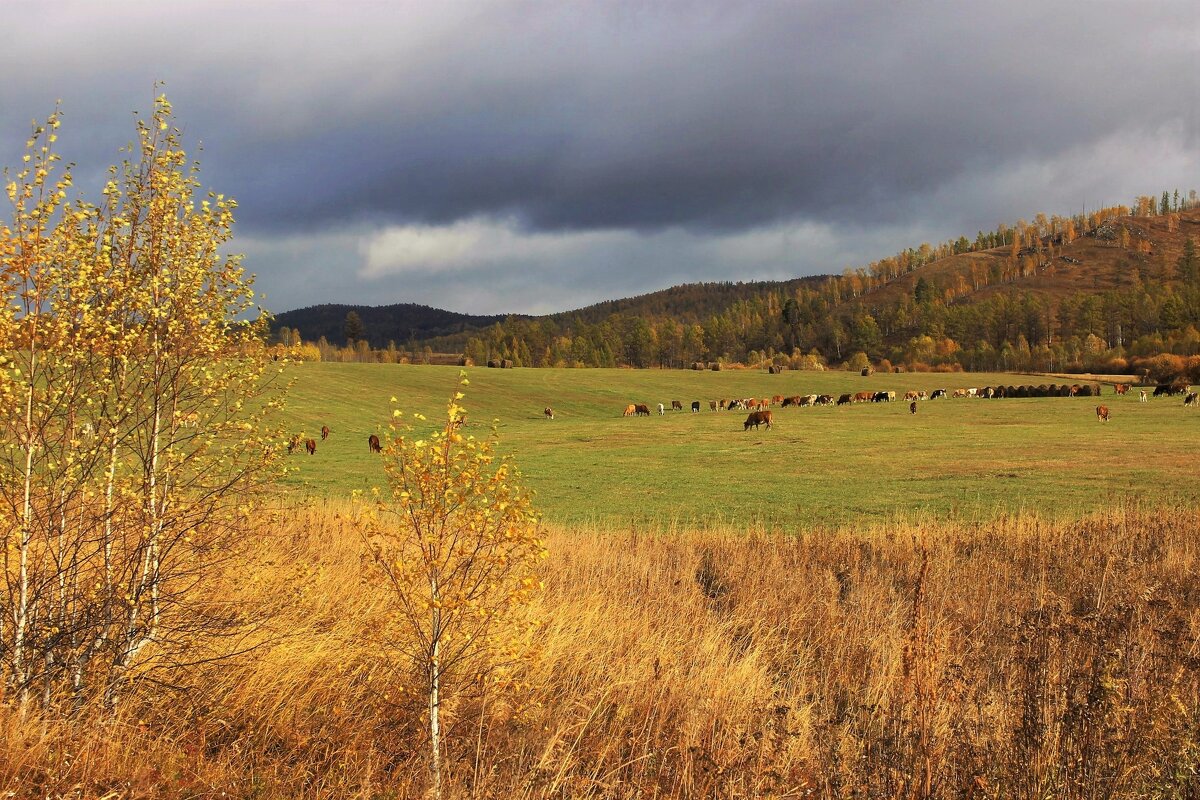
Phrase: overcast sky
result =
(534, 157)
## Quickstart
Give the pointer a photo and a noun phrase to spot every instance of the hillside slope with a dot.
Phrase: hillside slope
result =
(1059, 292)
(400, 323)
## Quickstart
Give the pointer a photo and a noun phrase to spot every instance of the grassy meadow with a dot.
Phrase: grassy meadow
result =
(841, 607)
(1014, 658)
(962, 458)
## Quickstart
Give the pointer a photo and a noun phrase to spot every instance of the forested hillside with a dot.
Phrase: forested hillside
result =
(377, 325)
(1059, 293)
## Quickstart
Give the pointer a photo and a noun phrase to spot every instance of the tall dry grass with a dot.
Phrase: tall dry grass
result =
(1015, 658)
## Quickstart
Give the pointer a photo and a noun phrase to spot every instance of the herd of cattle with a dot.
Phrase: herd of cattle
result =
(761, 415)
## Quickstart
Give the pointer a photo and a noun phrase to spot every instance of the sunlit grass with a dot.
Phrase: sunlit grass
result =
(826, 465)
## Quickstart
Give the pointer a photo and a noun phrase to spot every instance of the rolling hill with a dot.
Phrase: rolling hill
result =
(1110, 275)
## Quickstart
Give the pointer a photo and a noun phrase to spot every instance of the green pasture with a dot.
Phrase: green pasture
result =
(964, 457)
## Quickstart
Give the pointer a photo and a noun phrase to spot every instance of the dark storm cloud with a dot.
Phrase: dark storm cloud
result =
(713, 119)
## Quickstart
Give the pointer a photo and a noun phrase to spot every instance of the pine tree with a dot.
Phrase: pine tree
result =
(353, 328)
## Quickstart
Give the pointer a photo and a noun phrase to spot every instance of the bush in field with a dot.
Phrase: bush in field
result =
(453, 548)
(132, 409)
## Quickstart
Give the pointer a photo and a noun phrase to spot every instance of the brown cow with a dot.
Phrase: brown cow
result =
(325, 432)
(1121, 388)
(777, 399)
(1102, 413)
(549, 412)
(630, 410)
(373, 444)
(641, 409)
(676, 405)
(712, 405)
(310, 446)
(756, 418)
(864, 397)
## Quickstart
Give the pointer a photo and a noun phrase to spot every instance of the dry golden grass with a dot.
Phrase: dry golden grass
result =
(1015, 658)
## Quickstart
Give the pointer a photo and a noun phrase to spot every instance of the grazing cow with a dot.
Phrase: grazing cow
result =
(912, 407)
(1161, 389)
(1074, 390)
(676, 405)
(756, 418)
(891, 397)
(295, 442)
(325, 432)
(1190, 400)
(548, 413)
(723, 404)
(777, 399)
(310, 446)
(960, 392)
(910, 395)
(641, 410)
(373, 444)
(824, 400)
(864, 397)
(809, 400)
(986, 393)
(845, 400)
(1102, 413)
(695, 406)
(789, 401)
(712, 405)
(922, 396)
(661, 409)
(1144, 397)
(1121, 388)
(630, 410)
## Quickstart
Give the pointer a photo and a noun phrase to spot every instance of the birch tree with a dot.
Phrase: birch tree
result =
(453, 547)
(134, 420)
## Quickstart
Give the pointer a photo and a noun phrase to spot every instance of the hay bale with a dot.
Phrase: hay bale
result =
(506, 363)
(715, 366)
(493, 363)
(698, 365)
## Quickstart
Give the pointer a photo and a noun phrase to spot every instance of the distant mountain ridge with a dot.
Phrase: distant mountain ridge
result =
(399, 322)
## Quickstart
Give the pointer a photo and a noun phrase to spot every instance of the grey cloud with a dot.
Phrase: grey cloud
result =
(711, 117)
